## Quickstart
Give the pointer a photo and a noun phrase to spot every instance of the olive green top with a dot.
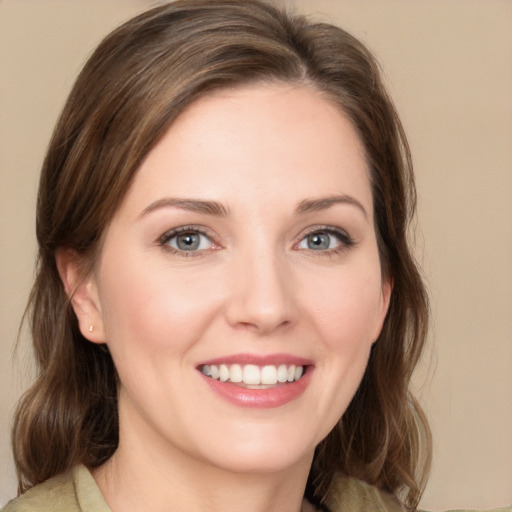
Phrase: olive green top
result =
(76, 491)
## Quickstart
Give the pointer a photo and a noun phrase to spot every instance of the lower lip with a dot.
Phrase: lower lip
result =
(261, 398)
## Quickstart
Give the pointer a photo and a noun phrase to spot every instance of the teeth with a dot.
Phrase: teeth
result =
(214, 372)
(269, 375)
(253, 375)
(235, 373)
(282, 373)
(223, 373)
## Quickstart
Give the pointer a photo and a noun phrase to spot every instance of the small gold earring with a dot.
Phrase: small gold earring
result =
(91, 328)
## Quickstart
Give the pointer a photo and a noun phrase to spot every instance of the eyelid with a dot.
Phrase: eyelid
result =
(163, 240)
(346, 241)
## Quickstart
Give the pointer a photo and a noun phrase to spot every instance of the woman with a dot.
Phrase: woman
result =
(226, 313)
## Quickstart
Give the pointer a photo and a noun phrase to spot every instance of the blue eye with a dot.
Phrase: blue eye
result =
(325, 240)
(186, 240)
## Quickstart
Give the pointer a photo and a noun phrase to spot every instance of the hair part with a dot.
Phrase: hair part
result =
(140, 78)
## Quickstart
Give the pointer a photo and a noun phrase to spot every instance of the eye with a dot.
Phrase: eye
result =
(325, 240)
(187, 239)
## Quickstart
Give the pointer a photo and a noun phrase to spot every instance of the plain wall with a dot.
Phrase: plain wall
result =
(449, 68)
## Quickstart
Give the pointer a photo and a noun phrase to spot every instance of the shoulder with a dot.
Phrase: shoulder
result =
(73, 491)
(51, 496)
(348, 493)
(500, 509)
(357, 496)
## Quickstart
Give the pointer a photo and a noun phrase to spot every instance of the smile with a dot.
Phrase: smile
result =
(253, 375)
(258, 381)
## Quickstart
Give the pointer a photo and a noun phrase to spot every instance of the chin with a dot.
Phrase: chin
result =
(264, 462)
(266, 451)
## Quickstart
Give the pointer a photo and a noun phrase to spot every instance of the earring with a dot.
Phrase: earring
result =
(91, 328)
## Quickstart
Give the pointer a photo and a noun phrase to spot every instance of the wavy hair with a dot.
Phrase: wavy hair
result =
(139, 79)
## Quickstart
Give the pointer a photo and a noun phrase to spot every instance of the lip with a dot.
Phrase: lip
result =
(259, 360)
(268, 398)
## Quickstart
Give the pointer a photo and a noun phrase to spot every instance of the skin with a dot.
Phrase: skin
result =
(254, 286)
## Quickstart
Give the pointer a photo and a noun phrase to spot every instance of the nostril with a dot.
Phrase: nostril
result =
(262, 327)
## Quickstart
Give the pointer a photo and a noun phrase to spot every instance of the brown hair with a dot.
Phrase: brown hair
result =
(135, 84)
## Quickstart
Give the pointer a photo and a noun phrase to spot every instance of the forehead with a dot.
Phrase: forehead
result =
(257, 143)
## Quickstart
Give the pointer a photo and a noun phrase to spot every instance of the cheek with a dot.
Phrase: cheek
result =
(347, 316)
(147, 306)
(348, 310)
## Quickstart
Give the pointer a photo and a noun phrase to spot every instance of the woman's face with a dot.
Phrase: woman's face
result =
(243, 253)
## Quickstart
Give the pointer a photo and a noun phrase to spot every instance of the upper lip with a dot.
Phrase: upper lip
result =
(258, 360)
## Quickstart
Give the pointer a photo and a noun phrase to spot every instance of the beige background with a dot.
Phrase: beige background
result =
(449, 67)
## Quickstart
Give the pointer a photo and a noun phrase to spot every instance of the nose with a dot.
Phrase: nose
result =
(262, 297)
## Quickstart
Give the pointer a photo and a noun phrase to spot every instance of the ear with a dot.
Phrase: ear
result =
(83, 294)
(386, 290)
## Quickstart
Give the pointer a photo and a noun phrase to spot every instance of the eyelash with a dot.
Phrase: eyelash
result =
(345, 240)
(164, 240)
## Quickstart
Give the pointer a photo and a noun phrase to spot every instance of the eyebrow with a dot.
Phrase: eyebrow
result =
(219, 210)
(323, 203)
(189, 204)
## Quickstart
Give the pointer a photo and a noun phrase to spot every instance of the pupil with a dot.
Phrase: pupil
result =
(188, 241)
(319, 241)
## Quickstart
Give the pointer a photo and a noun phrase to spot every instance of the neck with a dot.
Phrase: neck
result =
(144, 479)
